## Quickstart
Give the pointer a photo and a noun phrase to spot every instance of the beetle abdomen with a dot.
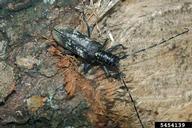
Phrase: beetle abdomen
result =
(107, 58)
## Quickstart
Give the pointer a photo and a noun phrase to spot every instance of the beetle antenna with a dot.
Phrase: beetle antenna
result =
(134, 105)
(162, 42)
(58, 31)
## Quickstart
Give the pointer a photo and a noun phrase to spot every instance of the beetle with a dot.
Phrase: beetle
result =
(91, 51)
(94, 53)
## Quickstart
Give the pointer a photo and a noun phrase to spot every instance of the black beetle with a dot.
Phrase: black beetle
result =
(92, 52)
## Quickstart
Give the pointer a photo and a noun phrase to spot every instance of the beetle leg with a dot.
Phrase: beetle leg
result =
(65, 51)
(89, 27)
(105, 44)
(86, 68)
(122, 55)
(106, 71)
(109, 73)
(117, 75)
(115, 47)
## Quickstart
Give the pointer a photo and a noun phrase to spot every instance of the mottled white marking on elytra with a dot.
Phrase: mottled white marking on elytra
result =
(80, 52)
(49, 1)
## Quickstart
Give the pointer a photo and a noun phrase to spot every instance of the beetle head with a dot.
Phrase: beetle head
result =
(61, 34)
